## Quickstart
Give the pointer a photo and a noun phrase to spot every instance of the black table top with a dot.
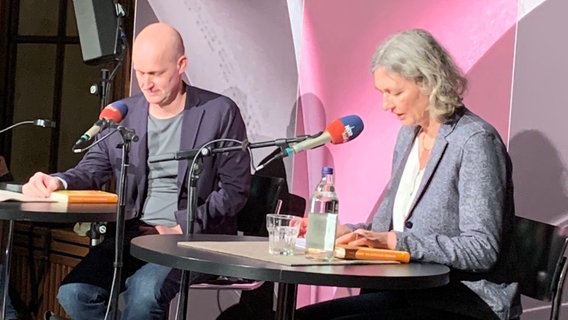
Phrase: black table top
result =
(57, 212)
(163, 249)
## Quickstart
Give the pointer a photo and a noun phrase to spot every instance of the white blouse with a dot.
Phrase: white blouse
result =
(409, 183)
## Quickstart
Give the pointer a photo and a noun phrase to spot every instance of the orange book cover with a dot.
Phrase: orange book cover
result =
(366, 253)
(84, 196)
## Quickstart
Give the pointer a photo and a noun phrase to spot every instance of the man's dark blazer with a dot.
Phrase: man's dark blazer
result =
(224, 181)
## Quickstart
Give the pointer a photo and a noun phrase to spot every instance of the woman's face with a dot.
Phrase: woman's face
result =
(402, 97)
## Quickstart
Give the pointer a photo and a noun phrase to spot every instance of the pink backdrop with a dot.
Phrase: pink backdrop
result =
(335, 80)
(270, 56)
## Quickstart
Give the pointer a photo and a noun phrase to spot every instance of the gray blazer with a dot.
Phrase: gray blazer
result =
(463, 213)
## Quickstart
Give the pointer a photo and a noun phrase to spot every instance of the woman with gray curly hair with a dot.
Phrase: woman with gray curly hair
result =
(449, 200)
(431, 68)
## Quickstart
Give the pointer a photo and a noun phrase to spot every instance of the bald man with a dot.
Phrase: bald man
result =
(169, 115)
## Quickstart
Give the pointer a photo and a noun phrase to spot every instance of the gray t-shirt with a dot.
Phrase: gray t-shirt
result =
(161, 202)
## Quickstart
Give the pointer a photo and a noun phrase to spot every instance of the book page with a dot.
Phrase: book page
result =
(76, 196)
(16, 196)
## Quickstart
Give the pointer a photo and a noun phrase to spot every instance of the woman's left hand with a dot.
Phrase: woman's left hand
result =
(373, 239)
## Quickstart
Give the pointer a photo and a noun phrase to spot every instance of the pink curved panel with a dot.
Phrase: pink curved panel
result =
(338, 40)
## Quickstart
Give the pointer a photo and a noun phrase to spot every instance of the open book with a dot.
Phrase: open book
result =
(366, 253)
(76, 196)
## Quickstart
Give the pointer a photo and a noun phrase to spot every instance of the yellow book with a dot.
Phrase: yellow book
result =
(84, 196)
(366, 253)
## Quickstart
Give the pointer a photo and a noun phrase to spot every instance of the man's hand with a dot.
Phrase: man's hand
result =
(373, 239)
(169, 230)
(41, 185)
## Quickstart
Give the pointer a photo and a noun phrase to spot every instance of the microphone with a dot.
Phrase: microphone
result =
(111, 114)
(45, 123)
(338, 131)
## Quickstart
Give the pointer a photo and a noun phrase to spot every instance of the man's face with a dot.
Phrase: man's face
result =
(158, 74)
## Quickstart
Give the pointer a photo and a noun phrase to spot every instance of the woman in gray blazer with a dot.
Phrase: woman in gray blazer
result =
(449, 200)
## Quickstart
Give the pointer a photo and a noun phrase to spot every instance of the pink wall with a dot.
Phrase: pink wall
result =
(251, 49)
(339, 38)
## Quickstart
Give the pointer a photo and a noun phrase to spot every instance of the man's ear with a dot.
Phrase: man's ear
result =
(182, 64)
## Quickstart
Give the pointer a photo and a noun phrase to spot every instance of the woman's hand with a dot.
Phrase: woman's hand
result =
(373, 239)
(303, 227)
(341, 229)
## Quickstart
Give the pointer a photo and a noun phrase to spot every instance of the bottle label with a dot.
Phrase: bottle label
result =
(332, 206)
(320, 238)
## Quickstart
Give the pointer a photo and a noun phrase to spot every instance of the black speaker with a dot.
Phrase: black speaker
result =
(98, 26)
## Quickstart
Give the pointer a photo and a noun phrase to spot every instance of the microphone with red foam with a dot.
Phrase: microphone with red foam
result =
(111, 115)
(338, 131)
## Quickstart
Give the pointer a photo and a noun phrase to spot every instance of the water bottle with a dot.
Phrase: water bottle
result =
(322, 219)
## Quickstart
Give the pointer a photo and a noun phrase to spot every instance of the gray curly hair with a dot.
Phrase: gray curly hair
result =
(417, 56)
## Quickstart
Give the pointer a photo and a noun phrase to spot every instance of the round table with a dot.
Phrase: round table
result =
(51, 212)
(57, 212)
(164, 250)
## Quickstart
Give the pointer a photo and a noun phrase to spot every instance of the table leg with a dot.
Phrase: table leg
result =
(6, 274)
(181, 311)
(286, 302)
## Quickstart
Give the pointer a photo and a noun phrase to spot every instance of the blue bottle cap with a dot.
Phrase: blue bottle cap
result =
(327, 170)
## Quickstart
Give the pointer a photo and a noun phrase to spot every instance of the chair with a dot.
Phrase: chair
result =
(293, 204)
(251, 220)
(542, 265)
(258, 302)
(263, 198)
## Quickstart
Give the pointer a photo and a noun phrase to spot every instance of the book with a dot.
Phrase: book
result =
(366, 253)
(70, 196)
(84, 196)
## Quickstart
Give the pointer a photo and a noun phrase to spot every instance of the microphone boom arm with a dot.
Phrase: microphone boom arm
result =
(37, 122)
(207, 151)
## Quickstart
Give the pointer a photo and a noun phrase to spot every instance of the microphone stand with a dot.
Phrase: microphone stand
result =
(10, 234)
(194, 169)
(193, 177)
(128, 135)
(6, 271)
(103, 88)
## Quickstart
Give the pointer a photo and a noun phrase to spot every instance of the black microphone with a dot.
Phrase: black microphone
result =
(45, 123)
(111, 114)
